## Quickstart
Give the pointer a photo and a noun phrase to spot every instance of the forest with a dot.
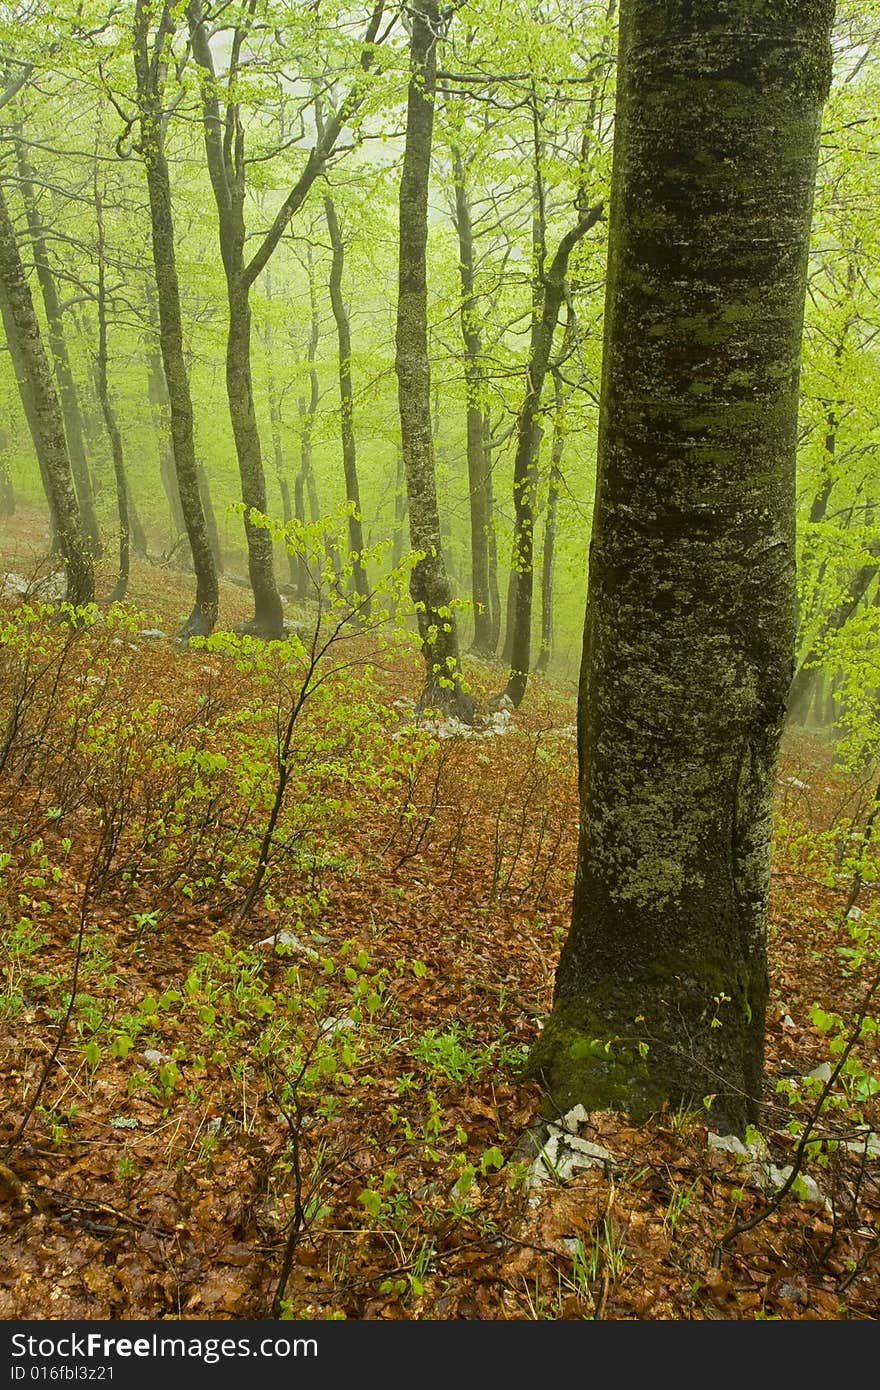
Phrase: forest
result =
(440, 659)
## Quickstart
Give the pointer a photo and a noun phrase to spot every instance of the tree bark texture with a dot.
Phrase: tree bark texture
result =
(689, 633)
(429, 583)
(29, 408)
(43, 411)
(346, 410)
(148, 61)
(58, 349)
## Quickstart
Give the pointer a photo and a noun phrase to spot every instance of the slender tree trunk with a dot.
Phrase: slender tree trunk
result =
(30, 412)
(44, 415)
(307, 407)
(210, 515)
(661, 988)
(525, 465)
(275, 423)
(805, 684)
(401, 506)
(224, 150)
(492, 540)
(480, 515)
(429, 584)
(149, 70)
(549, 551)
(157, 393)
(7, 491)
(110, 421)
(268, 619)
(346, 411)
(135, 525)
(58, 349)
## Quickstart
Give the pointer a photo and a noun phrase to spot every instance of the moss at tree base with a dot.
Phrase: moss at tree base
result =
(679, 1042)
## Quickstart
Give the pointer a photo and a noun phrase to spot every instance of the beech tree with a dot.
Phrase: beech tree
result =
(429, 584)
(661, 988)
(43, 409)
(150, 53)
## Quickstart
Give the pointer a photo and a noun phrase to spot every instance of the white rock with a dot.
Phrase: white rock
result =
(151, 632)
(728, 1143)
(577, 1116)
(822, 1072)
(14, 586)
(156, 1058)
(331, 1026)
(289, 939)
(870, 1144)
(788, 1021)
(854, 914)
(805, 1188)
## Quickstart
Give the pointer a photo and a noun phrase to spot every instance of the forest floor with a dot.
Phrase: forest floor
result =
(222, 1125)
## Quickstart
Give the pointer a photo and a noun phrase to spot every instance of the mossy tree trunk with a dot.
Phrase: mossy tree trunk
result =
(689, 632)
(30, 411)
(149, 63)
(57, 343)
(43, 410)
(429, 582)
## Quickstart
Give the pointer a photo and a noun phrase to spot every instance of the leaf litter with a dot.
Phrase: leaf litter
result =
(128, 1196)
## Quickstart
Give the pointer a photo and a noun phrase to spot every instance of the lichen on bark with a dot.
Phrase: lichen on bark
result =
(689, 634)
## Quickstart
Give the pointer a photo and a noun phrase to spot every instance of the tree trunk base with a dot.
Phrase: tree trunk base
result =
(198, 624)
(267, 629)
(648, 1045)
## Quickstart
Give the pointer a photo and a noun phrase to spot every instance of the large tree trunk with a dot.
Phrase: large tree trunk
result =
(662, 984)
(148, 69)
(429, 584)
(346, 411)
(58, 349)
(43, 410)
